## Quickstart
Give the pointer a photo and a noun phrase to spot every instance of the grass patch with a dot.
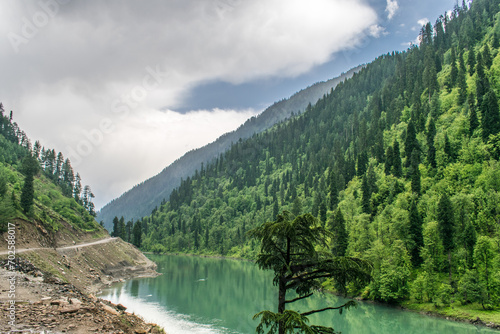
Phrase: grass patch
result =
(457, 311)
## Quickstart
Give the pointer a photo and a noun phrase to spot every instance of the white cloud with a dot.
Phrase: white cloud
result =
(423, 22)
(377, 31)
(67, 67)
(391, 8)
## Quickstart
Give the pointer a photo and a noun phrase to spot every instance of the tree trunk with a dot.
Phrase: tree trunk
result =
(282, 299)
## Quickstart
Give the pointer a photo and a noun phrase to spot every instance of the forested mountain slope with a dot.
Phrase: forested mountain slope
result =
(401, 162)
(143, 198)
(40, 186)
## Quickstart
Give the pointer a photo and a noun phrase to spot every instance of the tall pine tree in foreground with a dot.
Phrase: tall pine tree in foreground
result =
(297, 251)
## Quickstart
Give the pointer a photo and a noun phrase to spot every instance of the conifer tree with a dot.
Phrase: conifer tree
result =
(291, 249)
(461, 82)
(3, 185)
(468, 239)
(365, 199)
(122, 231)
(448, 149)
(116, 227)
(482, 83)
(137, 234)
(487, 61)
(454, 70)
(77, 188)
(297, 207)
(389, 157)
(473, 121)
(417, 241)
(58, 173)
(29, 169)
(490, 120)
(471, 61)
(429, 75)
(410, 142)
(340, 237)
(446, 226)
(362, 163)
(431, 148)
(396, 162)
(333, 190)
(414, 172)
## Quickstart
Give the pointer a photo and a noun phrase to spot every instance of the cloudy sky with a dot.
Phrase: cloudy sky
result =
(123, 88)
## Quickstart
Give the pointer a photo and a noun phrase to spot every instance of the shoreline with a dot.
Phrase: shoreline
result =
(55, 289)
(477, 321)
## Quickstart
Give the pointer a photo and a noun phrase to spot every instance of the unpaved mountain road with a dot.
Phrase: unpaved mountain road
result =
(22, 250)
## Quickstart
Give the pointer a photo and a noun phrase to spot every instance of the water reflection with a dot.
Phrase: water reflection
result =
(207, 295)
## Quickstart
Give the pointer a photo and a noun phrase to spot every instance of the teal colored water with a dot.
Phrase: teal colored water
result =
(208, 295)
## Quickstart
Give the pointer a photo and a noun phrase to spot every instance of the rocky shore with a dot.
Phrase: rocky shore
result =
(54, 290)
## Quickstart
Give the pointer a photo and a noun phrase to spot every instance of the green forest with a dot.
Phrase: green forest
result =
(400, 163)
(38, 184)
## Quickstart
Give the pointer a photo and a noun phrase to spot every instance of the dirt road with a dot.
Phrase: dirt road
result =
(22, 250)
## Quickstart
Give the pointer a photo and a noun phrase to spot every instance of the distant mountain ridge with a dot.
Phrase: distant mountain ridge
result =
(144, 197)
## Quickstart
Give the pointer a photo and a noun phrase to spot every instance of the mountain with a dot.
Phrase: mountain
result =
(400, 162)
(143, 198)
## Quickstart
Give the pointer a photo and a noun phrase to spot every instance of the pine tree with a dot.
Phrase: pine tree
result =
(322, 212)
(487, 56)
(446, 226)
(431, 148)
(58, 173)
(333, 189)
(482, 83)
(137, 234)
(429, 75)
(362, 163)
(471, 61)
(3, 185)
(414, 172)
(29, 169)
(297, 207)
(415, 233)
(453, 71)
(490, 120)
(122, 231)
(469, 238)
(340, 237)
(410, 142)
(473, 121)
(396, 162)
(128, 231)
(448, 149)
(365, 200)
(77, 188)
(389, 157)
(116, 228)
(461, 82)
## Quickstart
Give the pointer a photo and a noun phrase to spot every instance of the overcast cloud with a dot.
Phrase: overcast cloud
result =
(100, 81)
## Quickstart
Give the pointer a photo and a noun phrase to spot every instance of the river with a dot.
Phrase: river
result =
(210, 295)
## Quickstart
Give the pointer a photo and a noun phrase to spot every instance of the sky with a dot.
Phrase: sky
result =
(123, 88)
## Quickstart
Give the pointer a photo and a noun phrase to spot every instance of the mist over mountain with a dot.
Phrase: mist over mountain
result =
(144, 197)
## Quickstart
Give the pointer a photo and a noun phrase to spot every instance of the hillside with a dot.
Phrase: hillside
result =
(143, 198)
(52, 247)
(400, 162)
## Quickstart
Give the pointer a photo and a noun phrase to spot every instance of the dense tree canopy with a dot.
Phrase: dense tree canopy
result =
(408, 156)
